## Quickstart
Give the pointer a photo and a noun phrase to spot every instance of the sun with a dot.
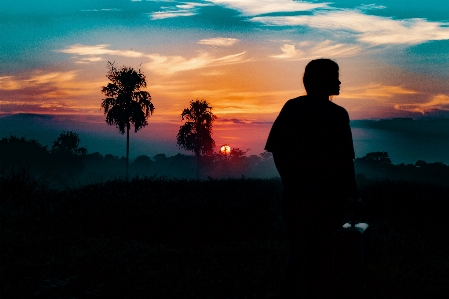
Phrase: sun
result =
(225, 149)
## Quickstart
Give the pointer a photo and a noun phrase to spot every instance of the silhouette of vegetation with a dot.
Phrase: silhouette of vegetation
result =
(126, 103)
(22, 152)
(81, 167)
(377, 158)
(57, 167)
(195, 134)
(377, 165)
(67, 156)
(149, 238)
(67, 143)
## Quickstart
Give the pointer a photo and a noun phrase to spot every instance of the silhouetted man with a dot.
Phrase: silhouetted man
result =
(312, 147)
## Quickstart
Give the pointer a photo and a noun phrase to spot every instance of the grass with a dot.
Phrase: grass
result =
(155, 238)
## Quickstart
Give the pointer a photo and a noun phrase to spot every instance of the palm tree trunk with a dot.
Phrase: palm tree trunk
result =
(127, 149)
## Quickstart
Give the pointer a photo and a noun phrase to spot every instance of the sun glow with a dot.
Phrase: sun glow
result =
(225, 149)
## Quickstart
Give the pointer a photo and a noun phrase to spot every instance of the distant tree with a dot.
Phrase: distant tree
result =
(126, 103)
(67, 143)
(111, 158)
(143, 160)
(142, 165)
(420, 163)
(266, 155)
(195, 134)
(22, 152)
(67, 157)
(237, 154)
(377, 158)
(160, 157)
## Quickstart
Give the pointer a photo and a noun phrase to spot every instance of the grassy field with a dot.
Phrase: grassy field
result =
(155, 238)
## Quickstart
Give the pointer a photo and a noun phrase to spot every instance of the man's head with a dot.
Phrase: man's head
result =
(321, 77)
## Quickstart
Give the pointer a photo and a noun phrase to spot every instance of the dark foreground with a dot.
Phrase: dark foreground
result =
(154, 238)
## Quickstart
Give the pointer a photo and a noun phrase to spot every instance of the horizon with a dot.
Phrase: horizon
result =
(406, 140)
(245, 58)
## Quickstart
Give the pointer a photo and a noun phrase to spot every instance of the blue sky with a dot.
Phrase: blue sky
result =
(244, 57)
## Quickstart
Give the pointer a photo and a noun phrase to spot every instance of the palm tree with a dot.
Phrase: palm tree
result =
(195, 134)
(126, 104)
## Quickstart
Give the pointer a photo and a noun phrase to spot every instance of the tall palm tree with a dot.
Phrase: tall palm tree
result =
(126, 103)
(195, 134)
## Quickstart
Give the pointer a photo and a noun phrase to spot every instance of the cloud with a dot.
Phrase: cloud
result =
(371, 29)
(311, 50)
(103, 9)
(242, 121)
(186, 9)
(415, 127)
(258, 7)
(160, 63)
(9, 83)
(7, 107)
(39, 78)
(85, 60)
(375, 90)
(172, 64)
(218, 41)
(438, 102)
(235, 120)
(48, 91)
(95, 51)
(52, 77)
(371, 7)
(171, 14)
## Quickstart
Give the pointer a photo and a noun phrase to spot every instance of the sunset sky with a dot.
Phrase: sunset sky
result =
(245, 57)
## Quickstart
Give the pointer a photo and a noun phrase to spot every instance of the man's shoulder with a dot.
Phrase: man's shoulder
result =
(296, 101)
(338, 109)
(293, 105)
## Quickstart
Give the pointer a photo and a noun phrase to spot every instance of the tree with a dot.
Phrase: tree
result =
(126, 103)
(195, 134)
(377, 158)
(67, 156)
(22, 152)
(67, 143)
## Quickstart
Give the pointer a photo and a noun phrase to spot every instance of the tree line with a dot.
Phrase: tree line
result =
(69, 164)
(378, 165)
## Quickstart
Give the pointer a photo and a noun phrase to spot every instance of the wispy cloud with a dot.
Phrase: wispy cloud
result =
(218, 41)
(185, 9)
(161, 64)
(95, 51)
(258, 7)
(311, 50)
(9, 83)
(103, 9)
(375, 91)
(52, 78)
(85, 60)
(48, 91)
(172, 64)
(438, 102)
(371, 29)
(371, 7)
(39, 78)
(15, 106)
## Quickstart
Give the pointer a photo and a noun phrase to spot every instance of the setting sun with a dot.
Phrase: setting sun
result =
(225, 149)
